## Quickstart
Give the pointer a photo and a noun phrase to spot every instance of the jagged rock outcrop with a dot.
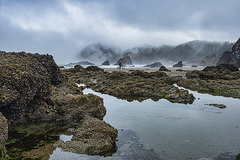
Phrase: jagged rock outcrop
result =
(179, 64)
(106, 63)
(94, 137)
(125, 61)
(23, 77)
(3, 135)
(231, 57)
(154, 65)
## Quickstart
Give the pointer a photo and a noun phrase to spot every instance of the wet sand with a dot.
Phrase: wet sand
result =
(173, 72)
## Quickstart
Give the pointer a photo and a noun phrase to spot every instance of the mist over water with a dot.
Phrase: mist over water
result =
(194, 50)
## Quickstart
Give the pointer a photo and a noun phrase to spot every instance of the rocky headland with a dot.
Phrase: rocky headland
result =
(231, 57)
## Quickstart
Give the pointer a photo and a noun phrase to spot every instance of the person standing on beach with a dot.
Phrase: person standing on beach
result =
(120, 65)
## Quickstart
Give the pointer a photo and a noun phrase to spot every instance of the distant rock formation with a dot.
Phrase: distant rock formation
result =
(231, 57)
(154, 65)
(84, 63)
(179, 64)
(106, 63)
(125, 61)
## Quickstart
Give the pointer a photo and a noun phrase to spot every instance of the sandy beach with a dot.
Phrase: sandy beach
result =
(175, 71)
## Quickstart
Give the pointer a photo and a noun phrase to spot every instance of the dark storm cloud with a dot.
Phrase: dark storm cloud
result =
(62, 27)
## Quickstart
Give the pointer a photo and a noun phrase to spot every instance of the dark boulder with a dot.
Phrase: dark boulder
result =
(179, 64)
(163, 68)
(154, 65)
(125, 61)
(231, 57)
(106, 63)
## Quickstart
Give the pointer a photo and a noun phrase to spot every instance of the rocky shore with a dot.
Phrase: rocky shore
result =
(133, 85)
(35, 91)
(221, 80)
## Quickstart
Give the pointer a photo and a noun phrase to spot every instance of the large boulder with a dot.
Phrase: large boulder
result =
(164, 69)
(231, 57)
(154, 65)
(23, 77)
(94, 137)
(3, 135)
(179, 64)
(125, 61)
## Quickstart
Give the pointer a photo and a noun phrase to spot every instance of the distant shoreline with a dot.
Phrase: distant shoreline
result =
(173, 72)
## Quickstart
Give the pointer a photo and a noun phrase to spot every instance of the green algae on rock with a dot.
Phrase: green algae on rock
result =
(94, 137)
(3, 136)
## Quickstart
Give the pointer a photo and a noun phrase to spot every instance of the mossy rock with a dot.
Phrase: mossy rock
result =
(238, 157)
(94, 137)
(24, 77)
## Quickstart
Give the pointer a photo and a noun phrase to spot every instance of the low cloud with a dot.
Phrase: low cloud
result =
(62, 28)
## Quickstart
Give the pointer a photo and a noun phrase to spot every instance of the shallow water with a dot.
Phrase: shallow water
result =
(165, 130)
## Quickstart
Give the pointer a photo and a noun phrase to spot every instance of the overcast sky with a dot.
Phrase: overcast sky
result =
(63, 27)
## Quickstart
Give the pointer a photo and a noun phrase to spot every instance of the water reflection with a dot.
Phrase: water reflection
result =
(179, 131)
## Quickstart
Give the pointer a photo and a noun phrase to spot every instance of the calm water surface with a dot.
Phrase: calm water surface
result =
(170, 130)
